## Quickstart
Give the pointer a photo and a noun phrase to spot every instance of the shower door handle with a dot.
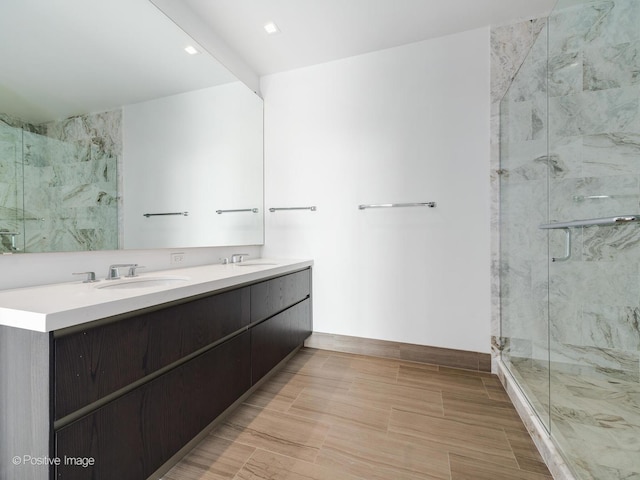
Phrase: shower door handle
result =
(567, 247)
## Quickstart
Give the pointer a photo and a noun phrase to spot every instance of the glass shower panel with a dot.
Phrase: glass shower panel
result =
(11, 231)
(594, 295)
(523, 246)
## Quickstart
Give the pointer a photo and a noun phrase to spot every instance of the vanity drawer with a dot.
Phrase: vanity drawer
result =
(95, 362)
(275, 338)
(131, 437)
(277, 294)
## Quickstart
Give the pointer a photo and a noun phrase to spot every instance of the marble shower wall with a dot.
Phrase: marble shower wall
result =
(69, 172)
(510, 46)
(592, 170)
(594, 143)
(523, 191)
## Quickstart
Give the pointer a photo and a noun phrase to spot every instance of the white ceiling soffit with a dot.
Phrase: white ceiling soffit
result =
(198, 28)
(318, 31)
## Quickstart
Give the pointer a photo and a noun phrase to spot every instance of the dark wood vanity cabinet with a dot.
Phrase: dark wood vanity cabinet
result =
(132, 436)
(281, 320)
(94, 362)
(129, 392)
(276, 337)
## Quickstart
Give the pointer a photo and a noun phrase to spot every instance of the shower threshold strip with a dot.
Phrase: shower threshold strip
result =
(603, 222)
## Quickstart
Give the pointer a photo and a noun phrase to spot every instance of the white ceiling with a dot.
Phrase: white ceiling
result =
(66, 57)
(318, 31)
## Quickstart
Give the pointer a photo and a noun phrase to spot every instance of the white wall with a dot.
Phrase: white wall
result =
(198, 152)
(408, 124)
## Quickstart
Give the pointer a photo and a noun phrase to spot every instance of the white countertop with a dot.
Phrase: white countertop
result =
(52, 307)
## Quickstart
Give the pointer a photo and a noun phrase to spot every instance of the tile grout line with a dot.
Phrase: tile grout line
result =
(255, 449)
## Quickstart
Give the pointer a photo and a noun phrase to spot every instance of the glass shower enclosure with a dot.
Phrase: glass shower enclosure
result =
(570, 237)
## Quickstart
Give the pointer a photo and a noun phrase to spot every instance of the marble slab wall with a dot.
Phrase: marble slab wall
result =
(510, 46)
(571, 330)
(68, 170)
(592, 170)
(594, 138)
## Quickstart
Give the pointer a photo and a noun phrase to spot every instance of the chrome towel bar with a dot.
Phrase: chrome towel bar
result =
(394, 205)
(313, 209)
(252, 210)
(603, 222)
(185, 214)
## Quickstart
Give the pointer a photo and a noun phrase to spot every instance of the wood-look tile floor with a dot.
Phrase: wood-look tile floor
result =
(328, 415)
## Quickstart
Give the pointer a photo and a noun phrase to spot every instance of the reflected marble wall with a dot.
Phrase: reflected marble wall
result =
(69, 168)
(10, 199)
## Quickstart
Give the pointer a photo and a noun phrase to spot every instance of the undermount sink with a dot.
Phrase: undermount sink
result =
(254, 263)
(142, 282)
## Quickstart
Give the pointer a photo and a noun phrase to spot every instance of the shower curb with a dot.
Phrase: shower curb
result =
(549, 452)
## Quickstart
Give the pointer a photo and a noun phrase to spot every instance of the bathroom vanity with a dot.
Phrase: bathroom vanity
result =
(118, 395)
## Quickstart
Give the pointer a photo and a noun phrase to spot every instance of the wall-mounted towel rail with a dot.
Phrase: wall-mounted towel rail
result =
(313, 209)
(603, 222)
(252, 210)
(394, 205)
(184, 214)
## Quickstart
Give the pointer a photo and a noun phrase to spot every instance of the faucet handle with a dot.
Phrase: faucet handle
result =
(114, 273)
(238, 257)
(91, 276)
(132, 270)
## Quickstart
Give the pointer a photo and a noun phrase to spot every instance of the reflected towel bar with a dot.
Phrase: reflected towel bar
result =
(603, 222)
(184, 214)
(394, 205)
(313, 209)
(252, 210)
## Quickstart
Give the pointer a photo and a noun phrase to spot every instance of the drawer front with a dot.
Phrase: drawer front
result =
(133, 436)
(277, 294)
(275, 338)
(98, 361)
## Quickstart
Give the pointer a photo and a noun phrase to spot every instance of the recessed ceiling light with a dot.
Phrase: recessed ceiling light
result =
(191, 50)
(271, 28)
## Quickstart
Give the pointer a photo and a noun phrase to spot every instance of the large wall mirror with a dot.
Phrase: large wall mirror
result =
(113, 136)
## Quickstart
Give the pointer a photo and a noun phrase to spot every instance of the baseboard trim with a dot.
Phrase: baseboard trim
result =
(444, 357)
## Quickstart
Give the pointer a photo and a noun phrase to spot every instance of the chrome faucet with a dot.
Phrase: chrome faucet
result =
(238, 257)
(114, 273)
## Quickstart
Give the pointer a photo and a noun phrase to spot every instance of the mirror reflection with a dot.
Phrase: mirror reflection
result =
(104, 118)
